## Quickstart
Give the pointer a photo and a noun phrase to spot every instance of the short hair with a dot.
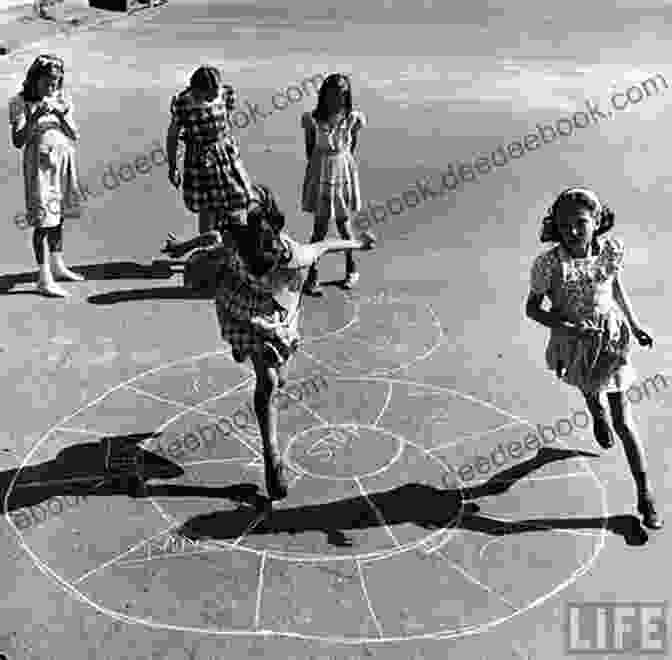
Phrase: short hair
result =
(206, 78)
(48, 65)
(572, 199)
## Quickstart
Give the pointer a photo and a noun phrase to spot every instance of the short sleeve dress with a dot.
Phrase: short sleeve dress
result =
(275, 297)
(52, 188)
(331, 183)
(214, 174)
(582, 290)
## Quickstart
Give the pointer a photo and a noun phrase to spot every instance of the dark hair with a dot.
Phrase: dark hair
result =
(333, 81)
(263, 217)
(49, 65)
(206, 78)
(570, 200)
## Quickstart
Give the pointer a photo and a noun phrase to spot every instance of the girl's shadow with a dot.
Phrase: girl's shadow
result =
(425, 506)
(115, 270)
(82, 469)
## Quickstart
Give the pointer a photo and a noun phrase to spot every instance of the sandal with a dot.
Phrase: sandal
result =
(350, 281)
(647, 509)
(169, 247)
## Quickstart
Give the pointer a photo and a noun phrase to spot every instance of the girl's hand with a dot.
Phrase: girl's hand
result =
(643, 337)
(368, 241)
(230, 97)
(174, 176)
(585, 328)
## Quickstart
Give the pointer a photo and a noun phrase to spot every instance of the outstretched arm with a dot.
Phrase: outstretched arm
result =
(310, 253)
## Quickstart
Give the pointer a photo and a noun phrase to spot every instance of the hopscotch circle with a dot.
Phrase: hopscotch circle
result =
(323, 449)
(415, 389)
(453, 505)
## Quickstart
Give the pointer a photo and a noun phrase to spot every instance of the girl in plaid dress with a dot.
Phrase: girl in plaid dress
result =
(41, 117)
(331, 184)
(591, 322)
(216, 184)
(260, 281)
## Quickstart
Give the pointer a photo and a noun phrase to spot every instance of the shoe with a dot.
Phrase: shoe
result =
(350, 281)
(276, 482)
(314, 290)
(647, 509)
(603, 432)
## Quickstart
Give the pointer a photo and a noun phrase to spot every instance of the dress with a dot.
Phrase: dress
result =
(274, 297)
(214, 174)
(582, 290)
(331, 183)
(50, 174)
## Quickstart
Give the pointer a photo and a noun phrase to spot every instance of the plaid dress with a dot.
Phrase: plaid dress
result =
(275, 297)
(214, 174)
(331, 183)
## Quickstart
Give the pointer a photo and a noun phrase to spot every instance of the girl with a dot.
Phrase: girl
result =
(331, 183)
(41, 117)
(216, 184)
(591, 322)
(260, 280)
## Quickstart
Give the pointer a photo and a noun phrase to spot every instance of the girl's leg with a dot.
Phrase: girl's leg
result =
(598, 411)
(626, 429)
(320, 230)
(46, 283)
(267, 416)
(344, 226)
(207, 221)
(58, 267)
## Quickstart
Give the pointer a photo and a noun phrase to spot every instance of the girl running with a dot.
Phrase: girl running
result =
(591, 322)
(260, 280)
(331, 184)
(216, 184)
(41, 117)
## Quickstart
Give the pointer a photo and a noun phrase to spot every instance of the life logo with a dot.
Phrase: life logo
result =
(632, 628)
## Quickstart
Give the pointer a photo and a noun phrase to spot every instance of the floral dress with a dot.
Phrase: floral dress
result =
(275, 297)
(51, 182)
(331, 183)
(214, 174)
(582, 290)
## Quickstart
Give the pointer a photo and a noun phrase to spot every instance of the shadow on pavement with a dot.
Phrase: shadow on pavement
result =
(84, 469)
(116, 270)
(423, 505)
(156, 293)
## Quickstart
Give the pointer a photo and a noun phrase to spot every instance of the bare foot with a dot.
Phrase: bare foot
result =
(52, 290)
